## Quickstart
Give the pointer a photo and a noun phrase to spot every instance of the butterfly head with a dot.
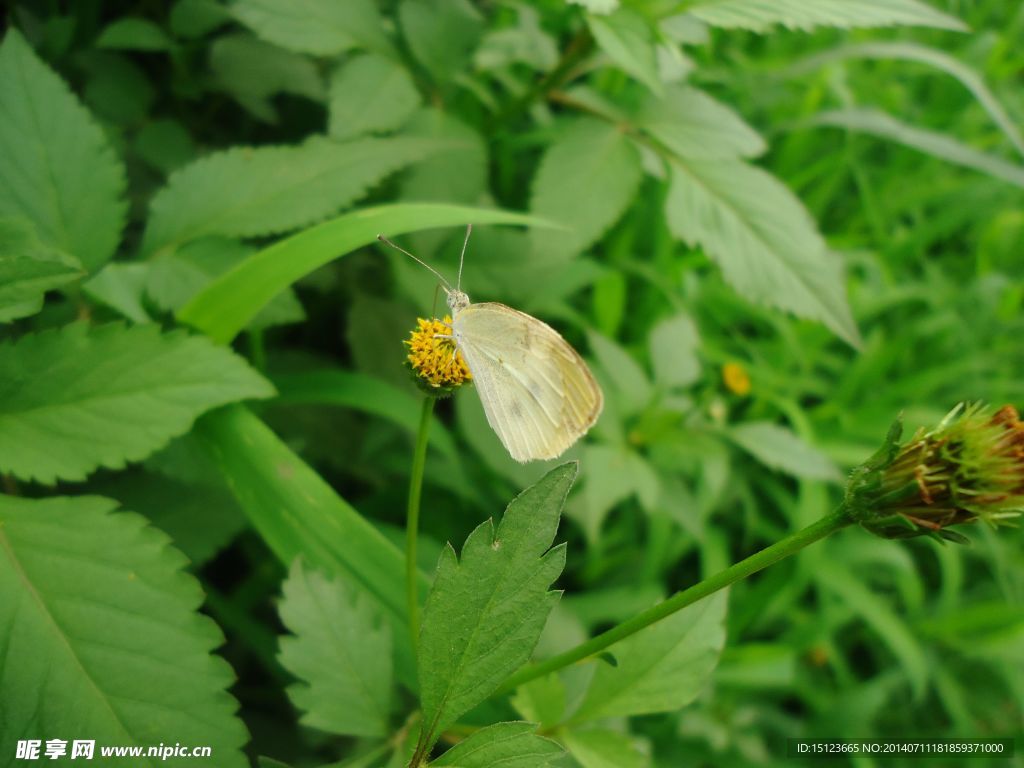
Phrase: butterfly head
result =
(457, 301)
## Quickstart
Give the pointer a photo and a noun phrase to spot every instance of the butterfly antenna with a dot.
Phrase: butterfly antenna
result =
(420, 261)
(462, 257)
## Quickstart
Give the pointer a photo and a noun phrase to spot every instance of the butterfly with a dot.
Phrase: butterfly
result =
(538, 394)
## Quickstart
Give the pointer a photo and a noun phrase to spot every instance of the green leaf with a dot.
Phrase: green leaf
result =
(692, 124)
(56, 166)
(485, 613)
(133, 34)
(370, 94)
(613, 474)
(136, 387)
(252, 192)
(253, 72)
(661, 668)
(632, 389)
(102, 635)
(761, 236)
(509, 745)
(165, 145)
(605, 749)
(585, 181)
(174, 277)
(119, 285)
(541, 700)
(340, 650)
(320, 27)
(628, 40)
(760, 16)
(673, 345)
(442, 34)
(597, 6)
(195, 18)
(28, 269)
(298, 514)
(779, 448)
(229, 303)
(876, 123)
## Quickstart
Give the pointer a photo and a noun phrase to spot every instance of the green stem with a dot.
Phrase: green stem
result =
(741, 570)
(412, 524)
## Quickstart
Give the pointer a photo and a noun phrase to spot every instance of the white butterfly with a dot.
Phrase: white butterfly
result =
(537, 392)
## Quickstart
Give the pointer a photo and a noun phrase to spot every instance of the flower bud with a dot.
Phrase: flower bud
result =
(970, 467)
(434, 359)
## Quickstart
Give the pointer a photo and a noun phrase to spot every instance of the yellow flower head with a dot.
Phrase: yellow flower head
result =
(434, 359)
(736, 379)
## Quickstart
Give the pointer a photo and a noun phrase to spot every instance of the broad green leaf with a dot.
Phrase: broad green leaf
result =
(28, 269)
(932, 57)
(340, 649)
(611, 475)
(298, 514)
(442, 34)
(597, 6)
(761, 236)
(661, 668)
(251, 192)
(692, 124)
(932, 143)
(165, 145)
(541, 700)
(195, 18)
(201, 518)
(253, 72)
(174, 277)
(102, 634)
(526, 43)
(78, 398)
(56, 166)
(605, 749)
(673, 344)
(133, 34)
(779, 448)
(119, 285)
(586, 179)
(457, 174)
(628, 40)
(509, 745)
(485, 612)
(632, 389)
(229, 303)
(369, 394)
(761, 15)
(370, 94)
(320, 27)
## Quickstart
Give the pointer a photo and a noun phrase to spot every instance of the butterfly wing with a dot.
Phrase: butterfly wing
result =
(538, 394)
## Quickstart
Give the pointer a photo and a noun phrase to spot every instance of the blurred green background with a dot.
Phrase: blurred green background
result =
(728, 422)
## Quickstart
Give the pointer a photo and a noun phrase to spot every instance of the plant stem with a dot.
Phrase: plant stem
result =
(412, 523)
(741, 570)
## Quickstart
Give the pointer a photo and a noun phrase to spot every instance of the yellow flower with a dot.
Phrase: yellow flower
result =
(736, 379)
(435, 360)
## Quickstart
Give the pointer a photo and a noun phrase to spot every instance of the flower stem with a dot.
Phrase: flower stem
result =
(412, 523)
(744, 568)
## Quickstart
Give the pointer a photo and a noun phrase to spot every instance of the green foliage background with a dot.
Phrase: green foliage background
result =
(824, 197)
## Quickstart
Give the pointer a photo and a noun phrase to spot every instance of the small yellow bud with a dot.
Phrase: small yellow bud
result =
(434, 358)
(736, 379)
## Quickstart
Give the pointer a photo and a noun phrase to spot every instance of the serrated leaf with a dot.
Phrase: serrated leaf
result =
(28, 269)
(485, 612)
(133, 34)
(605, 749)
(509, 745)
(585, 181)
(56, 166)
(246, 192)
(102, 635)
(628, 40)
(340, 649)
(370, 94)
(673, 346)
(761, 236)
(692, 124)
(779, 448)
(253, 71)
(61, 390)
(320, 27)
(661, 668)
(119, 285)
(761, 15)
(442, 34)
